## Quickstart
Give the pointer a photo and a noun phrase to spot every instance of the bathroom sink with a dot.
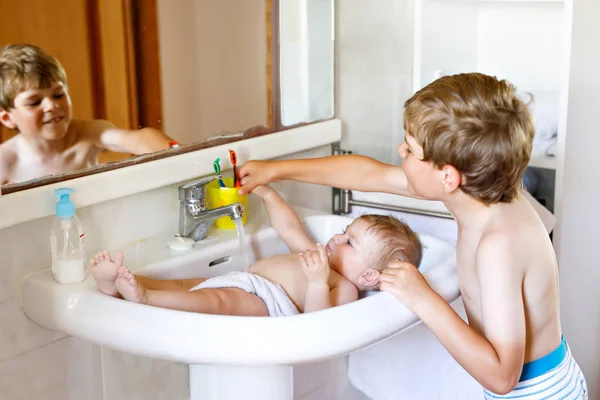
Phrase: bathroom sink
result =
(231, 344)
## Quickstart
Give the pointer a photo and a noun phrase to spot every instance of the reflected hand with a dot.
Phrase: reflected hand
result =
(315, 265)
(255, 173)
(405, 282)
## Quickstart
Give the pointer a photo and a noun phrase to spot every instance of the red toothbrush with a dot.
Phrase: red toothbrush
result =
(236, 174)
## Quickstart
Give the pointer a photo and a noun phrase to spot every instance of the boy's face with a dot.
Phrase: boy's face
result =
(349, 252)
(41, 113)
(422, 177)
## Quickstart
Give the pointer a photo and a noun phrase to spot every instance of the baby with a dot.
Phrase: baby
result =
(313, 277)
(34, 100)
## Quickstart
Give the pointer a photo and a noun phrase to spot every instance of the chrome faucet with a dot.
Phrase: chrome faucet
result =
(194, 216)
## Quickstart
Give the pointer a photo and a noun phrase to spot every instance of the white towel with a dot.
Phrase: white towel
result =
(276, 299)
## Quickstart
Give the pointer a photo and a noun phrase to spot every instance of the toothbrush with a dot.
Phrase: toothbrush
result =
(217, 169)
(236, 174)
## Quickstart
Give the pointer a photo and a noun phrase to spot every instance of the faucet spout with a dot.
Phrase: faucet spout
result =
(195, 223)
(194, 216)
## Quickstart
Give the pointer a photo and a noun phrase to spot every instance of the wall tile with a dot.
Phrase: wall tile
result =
(64, 370)
(19, 334)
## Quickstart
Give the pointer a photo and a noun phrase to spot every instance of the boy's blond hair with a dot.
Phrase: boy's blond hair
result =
(397, 241)
(24, 66)
(477, 124)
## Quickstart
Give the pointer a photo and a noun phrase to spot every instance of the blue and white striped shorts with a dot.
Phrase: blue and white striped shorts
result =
(553, 377)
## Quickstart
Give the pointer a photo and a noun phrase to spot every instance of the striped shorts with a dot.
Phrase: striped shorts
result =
(555, 377)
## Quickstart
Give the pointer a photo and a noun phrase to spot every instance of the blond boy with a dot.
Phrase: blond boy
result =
(312, 278)
(467, 143)
(34, 100)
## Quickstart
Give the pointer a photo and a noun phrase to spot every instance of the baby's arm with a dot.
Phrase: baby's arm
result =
(284, 220)
(495, 355)
(319, 296)
(346, 171)
(138, 141)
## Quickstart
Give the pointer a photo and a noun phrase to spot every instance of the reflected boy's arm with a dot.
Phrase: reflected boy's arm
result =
(350, 171)
(139, 141)
(284, 220)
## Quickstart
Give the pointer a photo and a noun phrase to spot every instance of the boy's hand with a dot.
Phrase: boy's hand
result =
(405, 282)
(255, 173)
(315, 265)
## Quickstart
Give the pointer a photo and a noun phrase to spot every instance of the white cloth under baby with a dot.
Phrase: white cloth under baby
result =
(276, 299)
(412, 365)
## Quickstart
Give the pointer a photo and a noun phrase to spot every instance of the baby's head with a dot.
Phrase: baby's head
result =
(472, 126)
(33, 91)
(367, 246)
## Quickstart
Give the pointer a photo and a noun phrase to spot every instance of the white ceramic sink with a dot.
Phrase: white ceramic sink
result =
(228, 344)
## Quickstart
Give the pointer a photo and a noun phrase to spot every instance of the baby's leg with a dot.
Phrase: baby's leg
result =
(105, 269)
(171, 284)
(223, 301)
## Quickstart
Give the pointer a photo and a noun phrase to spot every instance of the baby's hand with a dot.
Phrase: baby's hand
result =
(262, 191)
(405, 282)
(255, 173)
(315, 265)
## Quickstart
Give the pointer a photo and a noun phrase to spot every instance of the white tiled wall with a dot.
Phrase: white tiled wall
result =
(36, 363)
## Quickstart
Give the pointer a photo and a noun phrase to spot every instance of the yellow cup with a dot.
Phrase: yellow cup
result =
(223, 196)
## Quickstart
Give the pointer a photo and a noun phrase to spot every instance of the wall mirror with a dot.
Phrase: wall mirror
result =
(204, 72)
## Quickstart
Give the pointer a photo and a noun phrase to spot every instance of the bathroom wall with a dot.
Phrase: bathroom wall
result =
(577, 194)
(36, 363)
(213, 66)
(373, 74)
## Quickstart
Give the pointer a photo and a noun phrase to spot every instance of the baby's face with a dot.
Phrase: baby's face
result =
(42, 112)
(350, 251)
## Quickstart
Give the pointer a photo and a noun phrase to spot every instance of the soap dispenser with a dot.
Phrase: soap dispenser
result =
(67, 243)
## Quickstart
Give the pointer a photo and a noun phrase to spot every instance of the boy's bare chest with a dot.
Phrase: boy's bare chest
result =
(80, 156)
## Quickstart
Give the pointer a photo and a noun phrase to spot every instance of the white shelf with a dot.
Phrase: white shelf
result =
(543, 161)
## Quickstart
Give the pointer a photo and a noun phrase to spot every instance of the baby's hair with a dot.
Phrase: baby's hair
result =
(25, 66)
(397, 241)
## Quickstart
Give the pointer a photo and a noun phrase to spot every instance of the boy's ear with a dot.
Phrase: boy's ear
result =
(451, 178)
(6, 119)
(369, 278)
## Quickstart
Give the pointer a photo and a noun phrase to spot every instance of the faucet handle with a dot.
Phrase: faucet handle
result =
(195, 190)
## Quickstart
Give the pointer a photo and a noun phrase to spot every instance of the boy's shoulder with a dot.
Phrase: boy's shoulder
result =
(516, 239)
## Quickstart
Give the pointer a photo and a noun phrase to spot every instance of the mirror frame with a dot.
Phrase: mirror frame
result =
(150, 24)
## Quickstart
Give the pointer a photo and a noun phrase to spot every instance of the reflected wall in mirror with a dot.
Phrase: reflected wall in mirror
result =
(306, 57)
(188, 70)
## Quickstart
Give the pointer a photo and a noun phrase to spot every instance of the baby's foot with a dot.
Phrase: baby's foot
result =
(129, 287)
(105, 271)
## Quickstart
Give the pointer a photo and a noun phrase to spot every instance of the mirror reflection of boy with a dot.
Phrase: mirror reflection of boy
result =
(34, 100)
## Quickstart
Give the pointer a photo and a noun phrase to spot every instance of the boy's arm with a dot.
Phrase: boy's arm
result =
(350, 171)
(138, 141)
(284, 220)
(492, 353)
